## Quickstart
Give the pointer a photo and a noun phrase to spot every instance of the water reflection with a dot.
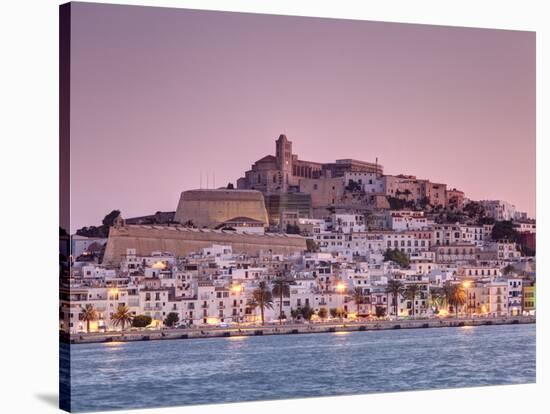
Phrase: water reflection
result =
(114, 346)
(242, 368)
(237, 338)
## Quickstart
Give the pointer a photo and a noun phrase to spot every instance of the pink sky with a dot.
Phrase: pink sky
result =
(160, 95)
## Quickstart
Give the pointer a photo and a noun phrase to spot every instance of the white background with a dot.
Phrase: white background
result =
(29, 209)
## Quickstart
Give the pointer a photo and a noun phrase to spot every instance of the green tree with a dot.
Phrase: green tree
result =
(281, 288)
(100, 231)
(508, 269)
(171, 319)
(527, 251)
(411, 293)
(424, 202)
(307, 312)
(141, 321)
(505, 230)
(397, 256)
(311, 246)
(457, 297)
(395, 288)
(452, 217)
(230, 186)
(437, 298)
(397, 203)
(295, 314)
(109, 219)
(474, 210)
(292, 229)
(337, 313)
(380, 311)
(323, 313)
(353, 186)
(88, 314)
(122, 316)
(447, 294)
(485, 220)
(261, 298)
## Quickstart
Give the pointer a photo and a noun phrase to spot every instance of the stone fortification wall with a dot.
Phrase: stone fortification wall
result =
(180, 241)
(212, 207)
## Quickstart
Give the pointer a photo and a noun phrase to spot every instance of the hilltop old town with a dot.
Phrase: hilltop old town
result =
(301, 242)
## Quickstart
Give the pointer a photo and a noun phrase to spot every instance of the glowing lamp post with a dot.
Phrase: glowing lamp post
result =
(340, 287)
(236, 289)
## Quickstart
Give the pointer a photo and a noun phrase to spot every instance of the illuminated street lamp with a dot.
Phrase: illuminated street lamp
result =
(159, 265)
(340, 287)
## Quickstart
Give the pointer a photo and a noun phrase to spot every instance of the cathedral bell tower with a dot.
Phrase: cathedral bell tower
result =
(283, 153)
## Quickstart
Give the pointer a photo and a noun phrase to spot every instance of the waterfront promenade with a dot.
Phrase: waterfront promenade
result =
(288, 329)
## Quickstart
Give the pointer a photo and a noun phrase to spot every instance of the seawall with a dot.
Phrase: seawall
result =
(290, 329)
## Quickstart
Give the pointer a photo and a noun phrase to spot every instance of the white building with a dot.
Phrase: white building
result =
(472, 234)
(407, 220)
(499, 210)
(526, 226)
(370, 182)
(347, 223)
(505, 250)
(515, 296)
(80, 244)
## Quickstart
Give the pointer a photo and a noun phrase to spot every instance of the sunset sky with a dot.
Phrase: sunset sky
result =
(160, 96)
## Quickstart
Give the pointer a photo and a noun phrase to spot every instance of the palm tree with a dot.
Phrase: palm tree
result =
(358, 298)
(262, 298)
(122, 316)
(281, 287)
(88, 314)
(411, 292)
(395, 287)
(437, 298)
(458, 297)
(448, 292)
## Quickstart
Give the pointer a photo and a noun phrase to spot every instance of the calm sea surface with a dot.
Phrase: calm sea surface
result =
(217, 370)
